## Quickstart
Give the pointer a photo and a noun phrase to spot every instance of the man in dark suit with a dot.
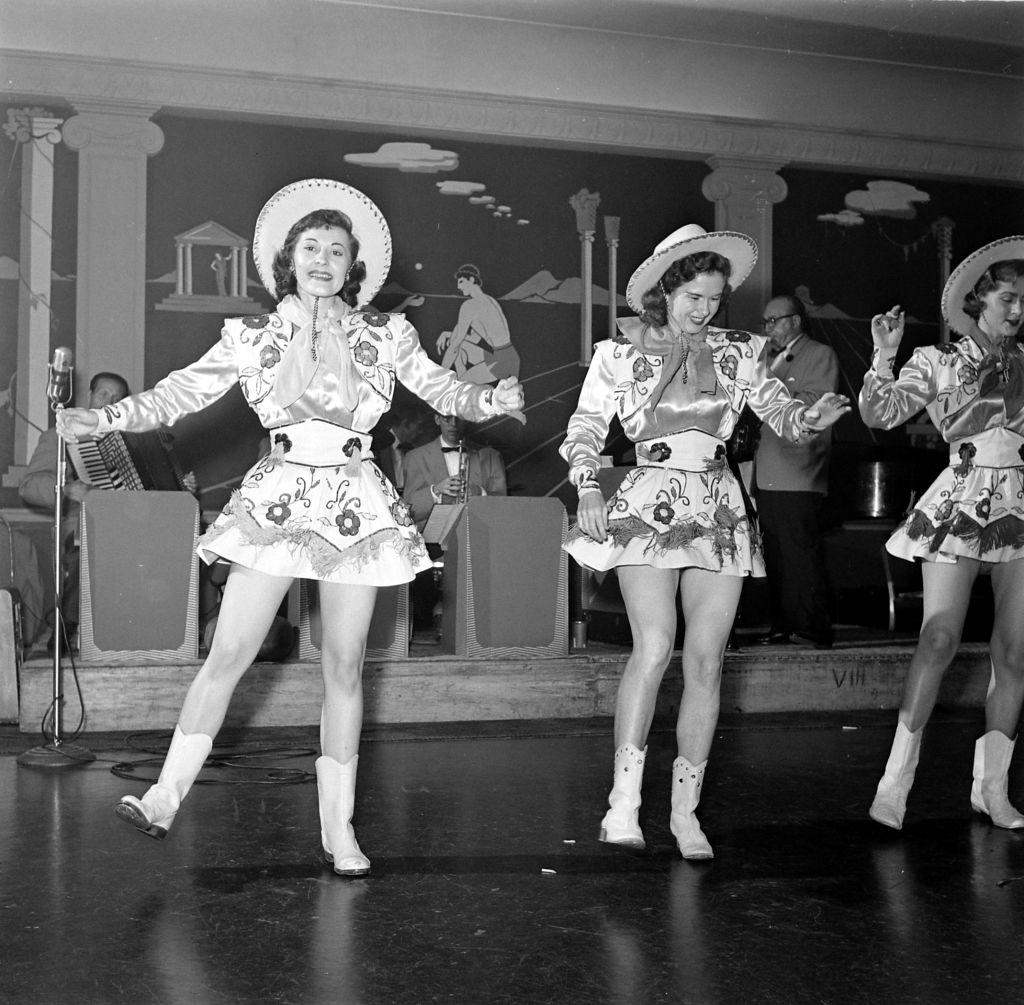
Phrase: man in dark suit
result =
(432, 473)
(792, 482)
(432, 476)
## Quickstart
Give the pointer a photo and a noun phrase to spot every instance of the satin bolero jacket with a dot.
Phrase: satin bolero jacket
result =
(622, 377)
(951, 383)
(271, 357)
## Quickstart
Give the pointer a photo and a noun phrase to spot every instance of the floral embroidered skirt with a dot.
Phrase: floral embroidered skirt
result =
(972, 510)
(674, 517)
(317, 507)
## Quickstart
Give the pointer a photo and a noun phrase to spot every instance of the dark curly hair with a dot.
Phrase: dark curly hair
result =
(284, 276)
(655, 300)
(1007, 271)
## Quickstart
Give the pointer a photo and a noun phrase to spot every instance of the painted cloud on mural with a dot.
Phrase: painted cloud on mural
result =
(844, 218)
(420, 158)
(886, 198)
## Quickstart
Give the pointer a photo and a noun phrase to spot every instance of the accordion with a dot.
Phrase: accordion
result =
(130, 461)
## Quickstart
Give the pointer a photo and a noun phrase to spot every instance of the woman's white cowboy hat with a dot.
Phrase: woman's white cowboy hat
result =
(738, 248)
(965, 276)
(295, 201)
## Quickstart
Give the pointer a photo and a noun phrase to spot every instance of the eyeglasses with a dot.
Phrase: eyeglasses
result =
(768, 322)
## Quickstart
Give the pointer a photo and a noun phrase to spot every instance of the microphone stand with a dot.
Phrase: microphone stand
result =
(57, 753)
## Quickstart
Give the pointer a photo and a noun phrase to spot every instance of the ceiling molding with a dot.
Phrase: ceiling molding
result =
(331, 103)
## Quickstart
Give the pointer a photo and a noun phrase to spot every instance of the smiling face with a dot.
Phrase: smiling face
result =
(321, 260)
(694, 303)
(1002, 309)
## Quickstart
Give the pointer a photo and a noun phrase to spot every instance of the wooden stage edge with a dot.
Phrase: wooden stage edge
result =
(444, 688)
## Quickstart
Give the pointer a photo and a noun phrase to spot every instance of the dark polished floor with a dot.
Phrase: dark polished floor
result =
(488, 884)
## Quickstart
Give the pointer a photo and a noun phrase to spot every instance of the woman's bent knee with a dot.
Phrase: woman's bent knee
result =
(939, 641)
(703, 671)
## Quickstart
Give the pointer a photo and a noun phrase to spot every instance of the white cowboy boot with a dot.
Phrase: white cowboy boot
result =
(687, 780)
(154, 813)
(336, 788)
(992, 754)
(620, 824)
(890, 803)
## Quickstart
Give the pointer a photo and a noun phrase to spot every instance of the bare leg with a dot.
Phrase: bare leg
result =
(709, 601)
(650, 596)
(346, 612)
(947, 593)
(250, 601)
(1002, 708)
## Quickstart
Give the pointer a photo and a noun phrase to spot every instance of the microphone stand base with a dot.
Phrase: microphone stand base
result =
(56, 755)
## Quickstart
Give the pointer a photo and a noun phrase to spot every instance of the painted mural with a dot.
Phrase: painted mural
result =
(487, 262)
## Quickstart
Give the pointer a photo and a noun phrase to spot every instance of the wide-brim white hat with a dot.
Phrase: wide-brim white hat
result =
(738, 248)
(293, 202)
(965, 276)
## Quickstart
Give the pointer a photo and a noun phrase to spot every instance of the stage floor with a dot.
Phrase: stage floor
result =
(863, 672)
(488, 883)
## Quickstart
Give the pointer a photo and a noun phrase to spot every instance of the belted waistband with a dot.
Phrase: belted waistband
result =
(692, 450)
(995, 448)
(319, 443)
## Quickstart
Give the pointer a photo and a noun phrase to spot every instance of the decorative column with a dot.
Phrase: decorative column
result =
(744, 190)
(38, 132)
(942, 229)
(113, 143)
(585, 204)
(611, 238)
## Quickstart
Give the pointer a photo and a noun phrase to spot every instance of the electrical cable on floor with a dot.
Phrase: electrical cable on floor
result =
(225, 757)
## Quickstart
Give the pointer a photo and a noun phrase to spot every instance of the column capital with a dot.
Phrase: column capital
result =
(25, 125)
(109, 125)
(744, 178)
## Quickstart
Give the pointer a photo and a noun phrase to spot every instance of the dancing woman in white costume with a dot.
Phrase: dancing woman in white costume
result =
(677, 524)
(972, 516)
(319, 372)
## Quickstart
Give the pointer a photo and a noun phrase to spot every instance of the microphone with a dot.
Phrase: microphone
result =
(58, 384)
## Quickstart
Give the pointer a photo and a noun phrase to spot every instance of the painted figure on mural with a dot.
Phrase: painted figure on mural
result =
(677, 529)
(220, 272)
(479, 348)
(970, 521)
(316, 507)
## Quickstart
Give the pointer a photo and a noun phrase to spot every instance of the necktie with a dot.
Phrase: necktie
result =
(450, 450)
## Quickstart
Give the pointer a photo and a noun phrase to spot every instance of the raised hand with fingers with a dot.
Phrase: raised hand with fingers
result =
(827, 410)
(887, 329)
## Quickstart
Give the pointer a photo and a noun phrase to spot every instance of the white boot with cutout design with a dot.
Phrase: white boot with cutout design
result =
(621, 823)
(687, 781)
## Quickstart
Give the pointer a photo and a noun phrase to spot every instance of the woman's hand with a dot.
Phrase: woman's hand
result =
(75, 422)
(825, 411)
(508, 395)
(887, 329)
(592, 515)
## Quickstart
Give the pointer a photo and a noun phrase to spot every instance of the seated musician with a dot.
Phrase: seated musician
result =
(38, 491)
